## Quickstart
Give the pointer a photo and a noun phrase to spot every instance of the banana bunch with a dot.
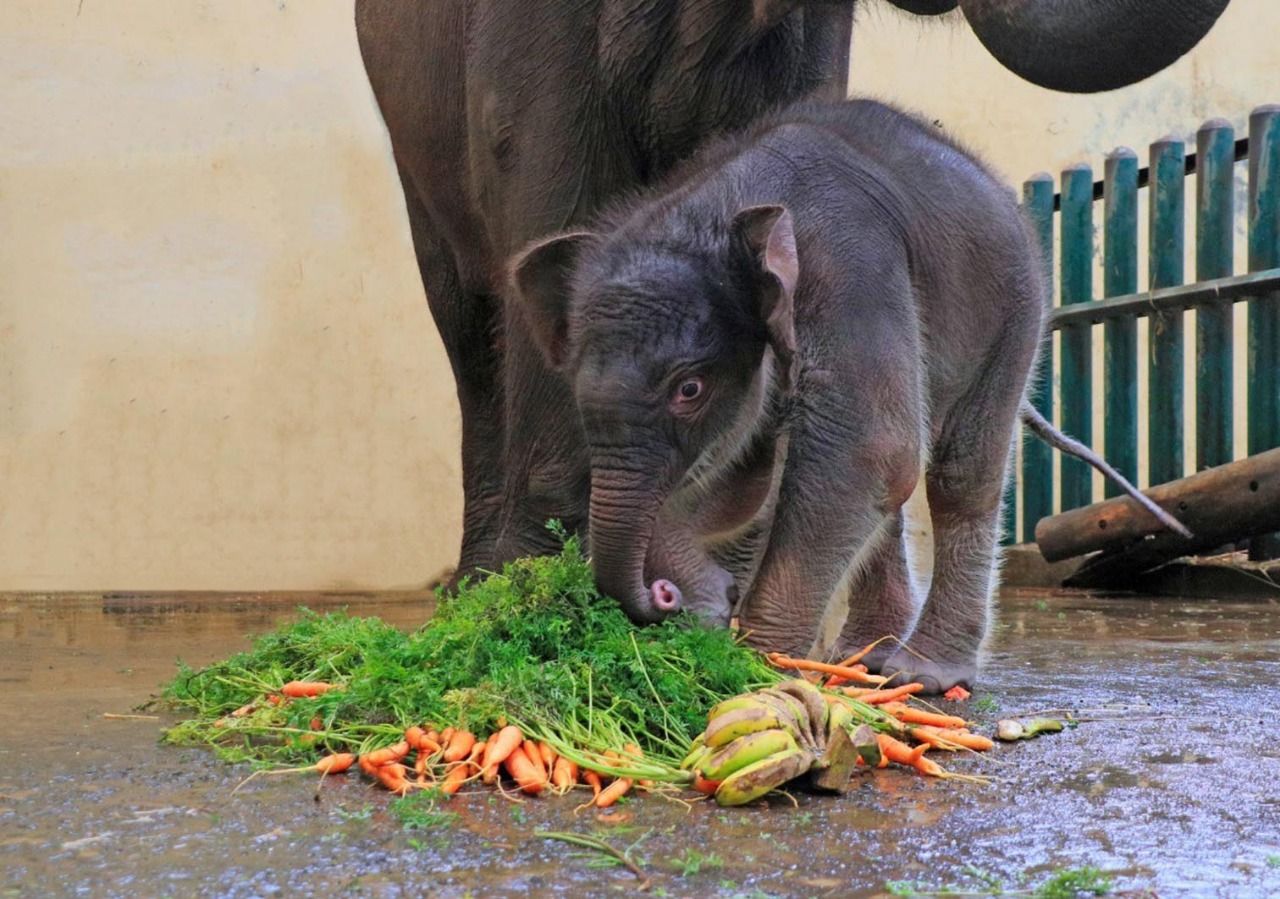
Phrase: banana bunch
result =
(758, 741)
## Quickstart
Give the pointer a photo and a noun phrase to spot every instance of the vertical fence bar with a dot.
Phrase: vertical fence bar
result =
(1120, 349)
(1264, 311)
(1037, 457)
(1167, 216)
(1077, 351)
(1215, 229)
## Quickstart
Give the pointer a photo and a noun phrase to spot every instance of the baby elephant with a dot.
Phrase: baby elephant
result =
(767, 351)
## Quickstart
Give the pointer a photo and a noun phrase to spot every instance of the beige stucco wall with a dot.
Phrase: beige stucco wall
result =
(217, 370)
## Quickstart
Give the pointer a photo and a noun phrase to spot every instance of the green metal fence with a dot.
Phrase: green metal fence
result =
(1213, 295)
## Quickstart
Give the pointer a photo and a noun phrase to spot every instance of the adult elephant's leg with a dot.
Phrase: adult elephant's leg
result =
(467, 323)
(882, 602)
(547, 470)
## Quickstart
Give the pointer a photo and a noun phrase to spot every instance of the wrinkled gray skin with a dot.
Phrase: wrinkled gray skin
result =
(768, 352)
(512, 119)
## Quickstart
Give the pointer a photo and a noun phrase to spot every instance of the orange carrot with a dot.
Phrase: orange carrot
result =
(547, 756)
(336, 763)
(527, 775)
(778, 660)
(897, 751)
(445, 736)
(502, 744)
(612, 793)
(244, 710)
(455, 778)
(956, 737)
(460, 746)
(861, 653)
(413, 736)
(531, 751)
(394, 777)
(592, 779)
(702, 785)
(909, 715)
(433, 735)
(876, 697)
(564, 775)
(298, 689)
(420, 768)
(388, 754)
(956, 694)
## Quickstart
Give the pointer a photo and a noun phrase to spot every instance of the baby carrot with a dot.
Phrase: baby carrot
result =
(455, 778)
(592, 779)
(394, 777)
(909, 715)
(702, 785)
(612, 793)
(876, 697)
(393, 753)
(897, 751)
(564, 775)
(502, 744)
(460, 746)
(955, 737)
(534, 755)
(527, 775)
(297, 689)
(335, 763)
(548, 757)
(778, 660)
(861, 653)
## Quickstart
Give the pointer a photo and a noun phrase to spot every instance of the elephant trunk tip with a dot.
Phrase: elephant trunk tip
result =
(666, 596)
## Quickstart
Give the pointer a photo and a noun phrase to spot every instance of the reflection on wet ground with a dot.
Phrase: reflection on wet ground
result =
(1182, 799)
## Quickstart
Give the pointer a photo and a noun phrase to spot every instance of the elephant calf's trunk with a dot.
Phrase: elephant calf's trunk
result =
(621, 527)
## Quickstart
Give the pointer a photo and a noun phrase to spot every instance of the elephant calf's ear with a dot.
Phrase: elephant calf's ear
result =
(540, 276)
(769, 235)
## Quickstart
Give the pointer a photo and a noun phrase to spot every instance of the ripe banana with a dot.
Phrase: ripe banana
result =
(811, 697)
(733, 704)
(728, 727)
(753, 781)
(696, 751)
(791, 711)
(746, 751)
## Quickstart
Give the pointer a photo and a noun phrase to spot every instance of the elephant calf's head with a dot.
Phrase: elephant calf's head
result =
(673, 336)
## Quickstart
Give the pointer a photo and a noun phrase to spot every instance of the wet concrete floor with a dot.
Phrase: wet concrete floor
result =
(1182, 798)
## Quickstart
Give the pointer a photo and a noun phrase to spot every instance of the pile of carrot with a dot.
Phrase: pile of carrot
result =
(926, 728)
(449, 759)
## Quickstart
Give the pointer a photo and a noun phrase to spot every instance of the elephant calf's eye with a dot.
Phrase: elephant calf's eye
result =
(687, 391)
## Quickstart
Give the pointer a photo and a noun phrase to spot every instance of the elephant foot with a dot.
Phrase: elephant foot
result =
(938, 676)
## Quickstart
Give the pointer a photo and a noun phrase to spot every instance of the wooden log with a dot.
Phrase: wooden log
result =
(1220, 505)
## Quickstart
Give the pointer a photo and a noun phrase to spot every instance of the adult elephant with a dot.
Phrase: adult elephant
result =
(512, 119)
